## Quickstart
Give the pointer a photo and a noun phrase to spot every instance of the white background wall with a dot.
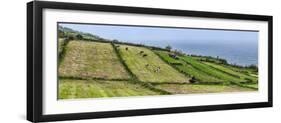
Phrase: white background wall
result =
(13, 61)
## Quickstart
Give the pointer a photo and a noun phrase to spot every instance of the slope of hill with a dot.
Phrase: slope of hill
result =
(71, 89)
(187, 69)
(96, 67)
(67, 32)
(91, 60)
(148, 67)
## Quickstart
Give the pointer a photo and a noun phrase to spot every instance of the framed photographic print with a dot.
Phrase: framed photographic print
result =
(95, 61)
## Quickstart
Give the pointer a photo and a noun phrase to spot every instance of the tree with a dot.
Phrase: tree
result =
(70, 38)
(61, 34)
(78, 36)
(223, 61)
(115, 40)
(254, 67)
(168, 47)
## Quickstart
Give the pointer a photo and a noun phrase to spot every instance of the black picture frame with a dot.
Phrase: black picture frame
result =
(35, 69)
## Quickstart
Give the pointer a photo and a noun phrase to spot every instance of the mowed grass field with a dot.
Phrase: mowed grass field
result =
(187, 68)
(232, 72)
(91, 60)
(72, 89)
(145, 67)
(98, 70)
(201, 88)
(247, 71)
(211, 71)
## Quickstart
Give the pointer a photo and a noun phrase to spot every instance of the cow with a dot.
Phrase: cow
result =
(144, 55)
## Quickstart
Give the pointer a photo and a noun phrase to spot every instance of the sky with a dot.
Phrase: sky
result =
(180, 35)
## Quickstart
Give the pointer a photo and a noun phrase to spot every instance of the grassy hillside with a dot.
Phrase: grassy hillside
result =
(246, 71)
(210, 70)
(65, 32)
(93, 67)
(144, 65)
(232, 72)
(201, 88)
(187, 68)
(91, 60)
(71, 89)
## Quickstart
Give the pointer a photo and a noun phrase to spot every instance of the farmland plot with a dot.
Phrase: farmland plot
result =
(200, 88)
(91, 60)
(148, 67)
(187, 68)
(231, 72)
(211, 71)
(73, 89)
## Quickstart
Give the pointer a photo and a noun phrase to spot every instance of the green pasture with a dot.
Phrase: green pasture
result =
(200, 88)
(187, 68)
(91, 69)
(211, 71)
(91, 60)
(232, 72)
(148, 67)
(73, 89)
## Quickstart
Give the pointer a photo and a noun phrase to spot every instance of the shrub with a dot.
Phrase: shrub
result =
(79, 37)
(248, 80)
(61, 34)
(115, 40)
(168, 47)
(179, 53)
(176, 63)
(70, 38)
(193, 79)
(254, 67)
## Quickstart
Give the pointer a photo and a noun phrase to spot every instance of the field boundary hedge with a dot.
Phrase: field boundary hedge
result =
(236, 76)
(172, 65)
(63, 52)
(134, 77)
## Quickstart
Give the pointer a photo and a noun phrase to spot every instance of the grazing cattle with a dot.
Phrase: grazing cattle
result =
(157, 69)
(144, 55)
(173, 56)
(141, 52)
(126, 48)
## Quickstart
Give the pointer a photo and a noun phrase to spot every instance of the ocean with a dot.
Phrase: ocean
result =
(235, 53)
